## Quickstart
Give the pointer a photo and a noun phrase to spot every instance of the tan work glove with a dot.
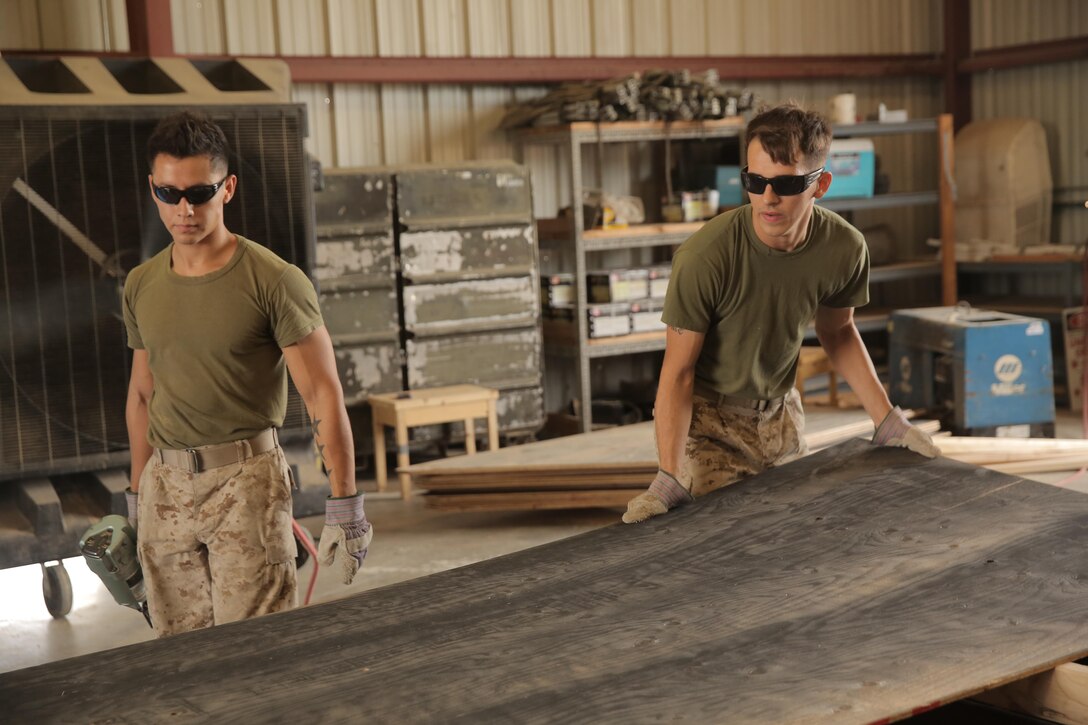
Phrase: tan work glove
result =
(896, 430)
(663, 494)
(346, 536)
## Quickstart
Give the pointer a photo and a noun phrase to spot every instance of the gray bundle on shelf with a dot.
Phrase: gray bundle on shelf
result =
(655, 95)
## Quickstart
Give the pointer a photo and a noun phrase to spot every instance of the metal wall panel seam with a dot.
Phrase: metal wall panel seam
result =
(611, 28)
(688, 27)
(250, 27)
(198, 27)
(353, 27)
(398, 28)
(572, 30)
(530, 28)
(648, 27)
(488, 23)
(20, 25)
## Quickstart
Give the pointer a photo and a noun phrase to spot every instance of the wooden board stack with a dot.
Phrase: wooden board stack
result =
(604, 468)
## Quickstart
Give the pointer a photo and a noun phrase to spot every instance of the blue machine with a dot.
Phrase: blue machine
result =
(980, 369)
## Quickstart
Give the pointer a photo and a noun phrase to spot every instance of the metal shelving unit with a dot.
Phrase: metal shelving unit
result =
(572, 340)
(571, 138)
(941, 196)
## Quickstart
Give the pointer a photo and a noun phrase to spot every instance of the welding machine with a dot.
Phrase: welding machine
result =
(978, 370)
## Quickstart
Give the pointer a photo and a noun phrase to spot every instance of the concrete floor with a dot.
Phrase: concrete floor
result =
(410, 541)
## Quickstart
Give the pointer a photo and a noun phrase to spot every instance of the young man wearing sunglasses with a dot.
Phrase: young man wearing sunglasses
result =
(213, 321)
(742, 292)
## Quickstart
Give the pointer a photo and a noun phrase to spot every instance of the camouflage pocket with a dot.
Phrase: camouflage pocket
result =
(280, 542)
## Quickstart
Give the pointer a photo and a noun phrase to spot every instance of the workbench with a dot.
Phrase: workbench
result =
(855, 585)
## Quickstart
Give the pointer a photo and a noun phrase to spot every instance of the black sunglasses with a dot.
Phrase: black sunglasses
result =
(782, 185)
(195, 195)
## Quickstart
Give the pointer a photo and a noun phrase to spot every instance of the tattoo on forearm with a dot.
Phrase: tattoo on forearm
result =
(321, 447)
(677, 330)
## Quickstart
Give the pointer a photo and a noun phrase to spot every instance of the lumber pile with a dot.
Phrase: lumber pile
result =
(1017, 455)
(604, 468)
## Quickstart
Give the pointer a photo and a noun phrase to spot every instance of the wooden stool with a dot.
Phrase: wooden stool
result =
(814, 361)
(401, 411)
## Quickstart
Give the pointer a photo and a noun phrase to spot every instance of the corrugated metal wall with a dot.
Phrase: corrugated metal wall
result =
(64, 24)
(361, 125)
(1056, 94)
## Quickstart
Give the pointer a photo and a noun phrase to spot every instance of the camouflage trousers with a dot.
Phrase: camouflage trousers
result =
(727, 443)
(216, 546)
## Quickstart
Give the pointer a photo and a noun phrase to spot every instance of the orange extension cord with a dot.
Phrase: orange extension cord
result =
(308, 544)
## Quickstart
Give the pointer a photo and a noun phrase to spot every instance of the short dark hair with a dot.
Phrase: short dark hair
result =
(789, 133)
(185, 134)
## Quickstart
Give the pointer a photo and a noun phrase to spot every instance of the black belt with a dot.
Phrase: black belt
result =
(705, 391)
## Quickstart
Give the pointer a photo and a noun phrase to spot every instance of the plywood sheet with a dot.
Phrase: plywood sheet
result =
(854, 585)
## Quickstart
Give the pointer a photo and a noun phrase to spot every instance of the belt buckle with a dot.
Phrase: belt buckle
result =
(194, 460)
(762, 405)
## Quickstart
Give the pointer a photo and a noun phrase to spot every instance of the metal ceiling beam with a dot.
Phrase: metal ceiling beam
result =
(957, 46)
(150, 28)
(1017, 56)
(536, 70)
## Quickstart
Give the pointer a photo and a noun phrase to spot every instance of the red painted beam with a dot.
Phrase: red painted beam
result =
(533, 70)
(150, 28)
(1017, 56)
(957, 46)
(540, 70)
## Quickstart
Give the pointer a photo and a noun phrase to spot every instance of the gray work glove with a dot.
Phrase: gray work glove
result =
(346, 535)
(132, 500)
(663, 494)
(896, 430)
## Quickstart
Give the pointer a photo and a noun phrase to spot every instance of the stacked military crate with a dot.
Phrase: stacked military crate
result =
(356, 277)
(467, 275)
(470, 279)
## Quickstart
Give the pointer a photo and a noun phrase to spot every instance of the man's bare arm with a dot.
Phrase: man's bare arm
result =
(672, 408)
(140, 387)
(313, 369)
(840, 339)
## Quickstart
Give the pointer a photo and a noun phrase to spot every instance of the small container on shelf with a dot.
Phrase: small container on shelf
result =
(618, 285)
(646, 315)
(659, 281)
(609, 320)
(853, 166)
(557, 290)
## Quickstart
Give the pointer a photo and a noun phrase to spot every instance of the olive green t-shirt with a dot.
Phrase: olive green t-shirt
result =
(213, 343)
(755, 302)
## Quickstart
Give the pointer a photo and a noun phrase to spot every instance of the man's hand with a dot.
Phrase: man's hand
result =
(897, 431)
(132, 500)
(346, 535)
(663, 494)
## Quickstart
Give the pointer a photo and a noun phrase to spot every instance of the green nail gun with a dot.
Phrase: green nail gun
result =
(110, 550)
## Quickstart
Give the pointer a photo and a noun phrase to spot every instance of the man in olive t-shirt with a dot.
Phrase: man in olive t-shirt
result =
(743, 290)
(215, 322)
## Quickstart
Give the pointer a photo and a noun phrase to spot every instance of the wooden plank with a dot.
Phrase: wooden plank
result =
(609, 449)
(1058, 695)
(1042, 465)
(997, 450)
(532, 500)
(946, 160)
(625, 448)
(858, 584)
(506, 483)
